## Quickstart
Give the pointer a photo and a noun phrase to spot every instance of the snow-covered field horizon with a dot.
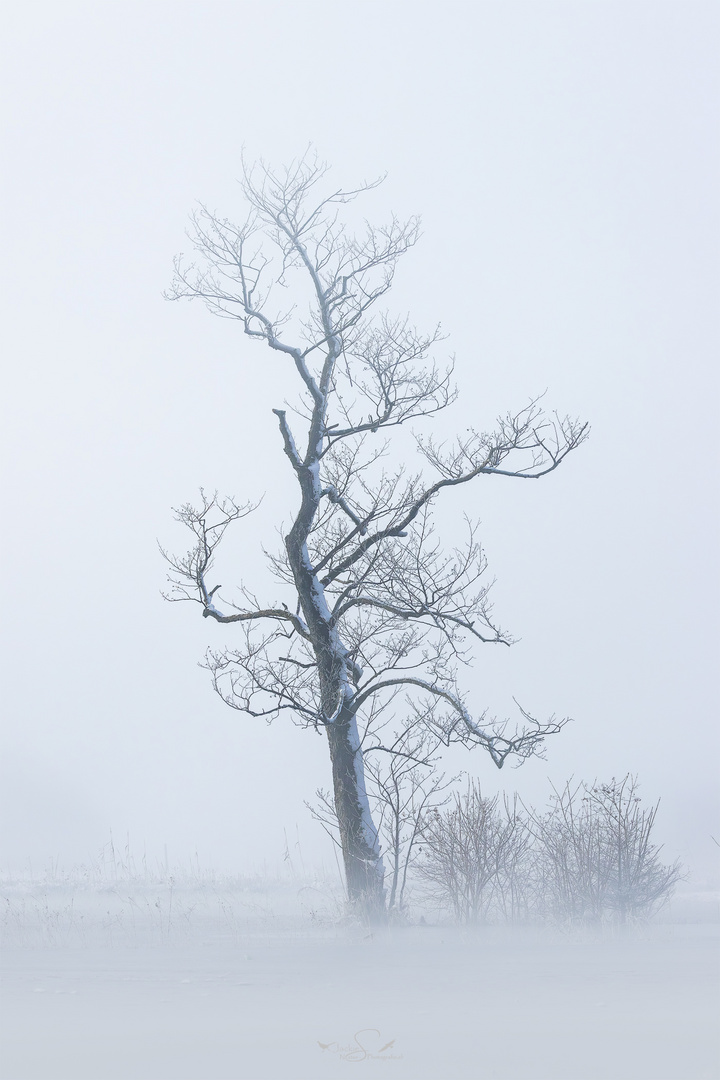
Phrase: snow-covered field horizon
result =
(174, 975)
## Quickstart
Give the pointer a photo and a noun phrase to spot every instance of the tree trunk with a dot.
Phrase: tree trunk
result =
(360, 844)
(358, 835)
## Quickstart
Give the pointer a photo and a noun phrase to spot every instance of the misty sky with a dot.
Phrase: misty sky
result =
(564, 159)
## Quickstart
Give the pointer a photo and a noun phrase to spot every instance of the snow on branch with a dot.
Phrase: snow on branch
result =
(456, 725)
(530, 442)
(187, 575)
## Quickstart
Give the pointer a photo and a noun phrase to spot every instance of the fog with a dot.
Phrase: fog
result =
(564, 161)
(228, 981)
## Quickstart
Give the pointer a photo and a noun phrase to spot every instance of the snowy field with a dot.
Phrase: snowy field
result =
(244, 979)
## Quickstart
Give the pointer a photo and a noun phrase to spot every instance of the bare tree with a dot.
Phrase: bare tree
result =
(405, 786)
(378, 608)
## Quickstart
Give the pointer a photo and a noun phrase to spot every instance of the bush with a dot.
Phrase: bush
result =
(474, 856)
(596, 859)
(588, 858)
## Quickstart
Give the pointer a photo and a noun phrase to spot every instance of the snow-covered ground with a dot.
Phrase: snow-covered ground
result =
(246, 980)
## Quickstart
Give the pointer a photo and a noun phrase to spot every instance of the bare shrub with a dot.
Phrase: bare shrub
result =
(595, 857)
(588, 858)
(475, 856)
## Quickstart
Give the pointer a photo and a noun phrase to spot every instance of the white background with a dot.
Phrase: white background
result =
(563, 156)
